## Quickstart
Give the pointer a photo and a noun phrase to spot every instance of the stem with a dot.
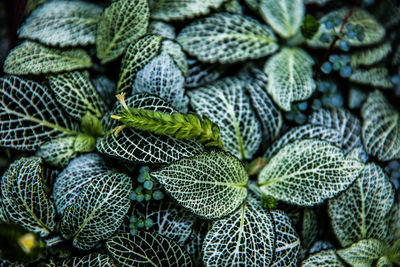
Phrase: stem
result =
(53, 241)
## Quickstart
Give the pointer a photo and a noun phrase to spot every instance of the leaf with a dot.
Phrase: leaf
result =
(225, 103)
(93, 259)
(146, 249)
(121, 24)
(137, 55)
(162, 77)
(29, 116)
(360, 212)
(290, 76)
(174, 50)
(381, 128)
(376, 77)
(362, 253)
(310, 27)
(269, 116)
(140, 146)
(161, 28)
(307, 131)
(370, 56)
(306, 172)
(285, 16)
(24, 198)
(246, 238)
(180, 10)
(214, 192)
(98, 210)
(323, 258)
(62, 24)
(200, 73)
(195, 242)
(76, 94)
(373, 31)
(58, 152)
(345, 123)
(34, 58)
(287, 244)
(76, 176)
(384, 262)
(227, 38)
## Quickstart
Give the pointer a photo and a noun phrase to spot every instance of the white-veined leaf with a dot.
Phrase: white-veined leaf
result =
(210, 184)
(29, 115)
(290, 77)
(376, 77)
(163, 29)
(140, 146)
(384, 261)
(162, 77)
(62, 23)
(147, 249)
(227, 38)
(175, 51)
(137, 56)
(24, 198)
(307, 172)
(34, 58)
(95, 259)
(195, 242)
(98, 210)
(58, 151)
(309, 230)
(121, 24)
(287, 244)
(202, 73)
(370, 56)
(362, 253)
(269, 116)
(373, 31)
(360, 212)
(284, 16)
(246, 237)
(307, 131)
(225, 103)
(381, 127)
(77, 95)
(345, 123)
(182, 9)
(323, 259)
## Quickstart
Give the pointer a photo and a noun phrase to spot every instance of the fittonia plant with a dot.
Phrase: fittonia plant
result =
(253, 133)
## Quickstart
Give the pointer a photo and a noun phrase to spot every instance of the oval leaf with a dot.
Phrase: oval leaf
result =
(307, 172)
(363, 253)
(122, 23)
(147, 249)
(58, 151)
(323, 258)
(290, 77)
(227, 38)
(213, 193)
(34, 58)
(377, 77)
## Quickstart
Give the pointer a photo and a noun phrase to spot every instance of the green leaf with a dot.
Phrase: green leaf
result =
(307, 131)
(362, 253)
(34, 58)
(225, 103)
(76, 94)
(290, 77)
(76, 176)
(24, 198)
(84, 143)
(98, 210)
(93, 259)
(310, 27)
(121, 24)
(287, 244)
(62, 24)
(180, 10)
(147, 249)
(58, 151)
(91, 125)
(322, 259)
(284, 16)
(306, 172)
(140, 146)
(213, 193)
(29, 116)
(374, 32)
(370, 56)
(376, 77)
(381, 127)
(246, 238)
(361, 211)
(137, 55)
(384, 262)
(227, 38)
